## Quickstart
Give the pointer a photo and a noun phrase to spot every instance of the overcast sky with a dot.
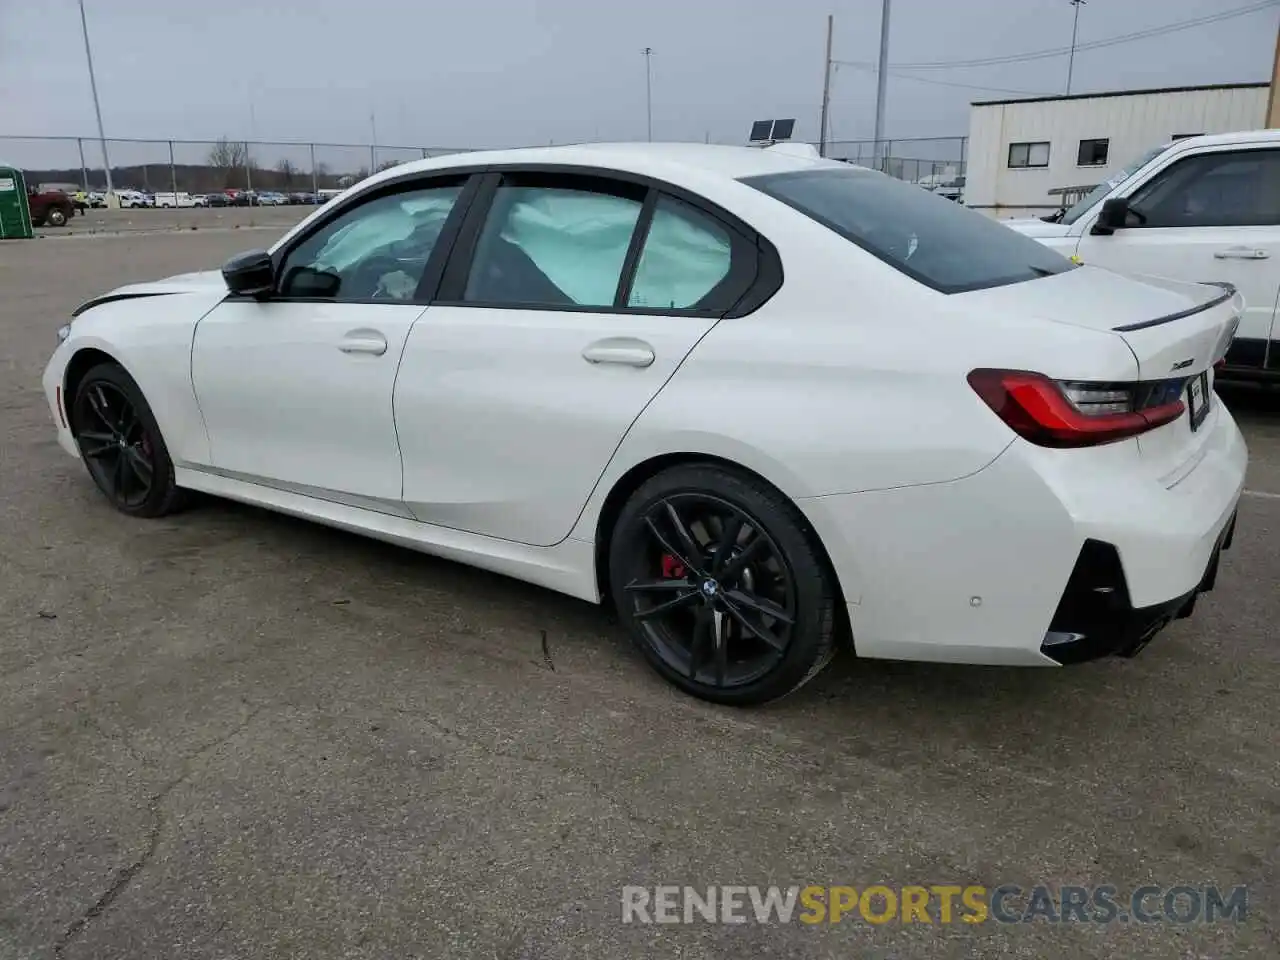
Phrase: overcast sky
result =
(460, 73)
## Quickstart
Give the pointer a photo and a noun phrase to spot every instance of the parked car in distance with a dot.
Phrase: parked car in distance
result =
(199, 200)
(309, 199)
(681, 412)
(132, 199)
(217, 199)
(1206, 207)
(174, 200)
(51, 208)
(271, 198)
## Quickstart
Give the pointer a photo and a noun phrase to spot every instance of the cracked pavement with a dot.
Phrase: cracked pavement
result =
(229, 734)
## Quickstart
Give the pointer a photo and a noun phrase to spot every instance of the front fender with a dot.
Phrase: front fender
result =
(150, 337)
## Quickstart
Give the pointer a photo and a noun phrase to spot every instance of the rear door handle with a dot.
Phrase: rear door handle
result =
(364, 341)
(1241, 253)
(627, 351)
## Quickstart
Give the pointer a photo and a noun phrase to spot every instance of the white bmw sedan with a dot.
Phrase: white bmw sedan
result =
(764, 404)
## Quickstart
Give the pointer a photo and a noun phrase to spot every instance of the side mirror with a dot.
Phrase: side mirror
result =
(250, 274)
(1113, 216)
(310, 284)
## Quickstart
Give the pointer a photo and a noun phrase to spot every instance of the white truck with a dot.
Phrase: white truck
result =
(1204, 209)
(179, 199)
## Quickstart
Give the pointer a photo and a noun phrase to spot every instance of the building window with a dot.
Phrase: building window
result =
(1028, 155)
(1093, 153)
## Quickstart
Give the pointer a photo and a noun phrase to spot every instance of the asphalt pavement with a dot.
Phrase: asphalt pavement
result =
(229, 734)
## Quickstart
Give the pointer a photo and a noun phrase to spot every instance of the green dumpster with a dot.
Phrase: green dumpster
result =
(15, 214)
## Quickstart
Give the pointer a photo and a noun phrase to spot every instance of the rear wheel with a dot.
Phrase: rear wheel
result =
(56, 218)
(719, 579)
(121, 444)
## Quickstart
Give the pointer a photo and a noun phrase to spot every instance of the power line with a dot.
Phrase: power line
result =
(1091, 45)
(948, 83)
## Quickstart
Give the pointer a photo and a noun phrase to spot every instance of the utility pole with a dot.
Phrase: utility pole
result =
(1075, 30)
(648, 89)
(826, 92)
(97, 109)
(1273, 106)
(248, 146)
(882, 76)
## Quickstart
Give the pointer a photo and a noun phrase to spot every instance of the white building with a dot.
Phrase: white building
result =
(1030, 157)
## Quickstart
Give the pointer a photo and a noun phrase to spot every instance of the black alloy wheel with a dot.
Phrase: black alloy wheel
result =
(121, 444)
(719, 580)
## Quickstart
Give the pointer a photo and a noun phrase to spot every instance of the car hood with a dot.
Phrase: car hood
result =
(208, 282)
(1036, 227)
(202, 281)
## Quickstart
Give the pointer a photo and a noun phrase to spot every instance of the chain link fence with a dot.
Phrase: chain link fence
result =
(202, 166)
(931, 160)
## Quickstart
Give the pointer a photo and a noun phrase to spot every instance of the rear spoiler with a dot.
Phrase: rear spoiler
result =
(1228, 291)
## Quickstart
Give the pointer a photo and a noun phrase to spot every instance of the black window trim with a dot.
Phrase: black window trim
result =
(455, 246)
(1233, 150)
(1028, 165)
(1094, 140)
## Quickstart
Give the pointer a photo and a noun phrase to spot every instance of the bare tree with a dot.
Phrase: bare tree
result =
(227, 158)
(322, 173)
(388, 164)
(287, 172)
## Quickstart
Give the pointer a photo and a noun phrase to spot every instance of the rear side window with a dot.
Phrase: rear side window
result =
(686, 256)
(553, 247)
(929, 238)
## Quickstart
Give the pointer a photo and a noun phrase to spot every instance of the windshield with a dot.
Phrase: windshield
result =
(1083, 206)
(929, 238)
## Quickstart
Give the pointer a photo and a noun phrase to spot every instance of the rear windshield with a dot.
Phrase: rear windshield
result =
(929, 238)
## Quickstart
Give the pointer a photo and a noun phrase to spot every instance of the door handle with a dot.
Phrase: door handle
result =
(622, 350)
(1241, 253)
(364, 341)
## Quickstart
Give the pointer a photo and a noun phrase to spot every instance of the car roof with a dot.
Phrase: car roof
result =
(1218, 139)
(659, 159)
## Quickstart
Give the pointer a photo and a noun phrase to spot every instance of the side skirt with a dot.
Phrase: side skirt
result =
(568, 567)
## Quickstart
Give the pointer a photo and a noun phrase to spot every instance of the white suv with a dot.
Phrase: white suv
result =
(1204, 209)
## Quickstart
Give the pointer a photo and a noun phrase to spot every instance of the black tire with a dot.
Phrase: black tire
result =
(56, 217)
(732, 519)
(121, 444)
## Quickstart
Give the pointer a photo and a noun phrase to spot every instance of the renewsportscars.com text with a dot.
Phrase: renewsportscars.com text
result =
(935, 904)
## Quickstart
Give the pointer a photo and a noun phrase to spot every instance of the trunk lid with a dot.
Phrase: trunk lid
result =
(1164, 322)
(1176, 331)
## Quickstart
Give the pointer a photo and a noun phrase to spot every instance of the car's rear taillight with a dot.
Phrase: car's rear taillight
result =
(1057, 413)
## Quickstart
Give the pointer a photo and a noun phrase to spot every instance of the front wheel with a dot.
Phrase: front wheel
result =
(121, 444)
(722, 585)
(56, 218)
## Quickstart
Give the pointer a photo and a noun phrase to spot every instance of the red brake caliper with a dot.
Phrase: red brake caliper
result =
(672, 569)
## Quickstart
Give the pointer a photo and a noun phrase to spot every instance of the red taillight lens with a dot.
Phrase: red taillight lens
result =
(1051, 413)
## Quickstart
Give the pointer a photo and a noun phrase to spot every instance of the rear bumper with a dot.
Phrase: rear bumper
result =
(981, 570)
(1095, 617)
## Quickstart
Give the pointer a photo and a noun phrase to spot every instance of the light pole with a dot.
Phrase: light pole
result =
(97, 109)
(882, 78)
(648, 89)
(1075, 30)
